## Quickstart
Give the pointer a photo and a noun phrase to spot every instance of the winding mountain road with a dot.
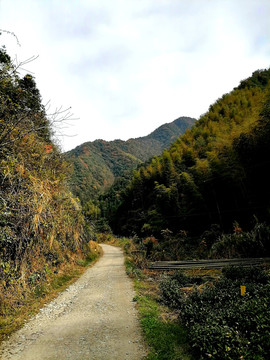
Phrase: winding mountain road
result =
(94, 319)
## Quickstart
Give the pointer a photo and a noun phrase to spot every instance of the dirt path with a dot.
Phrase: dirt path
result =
(94, 319)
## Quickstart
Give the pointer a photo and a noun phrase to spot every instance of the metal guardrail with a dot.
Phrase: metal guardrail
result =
(205, 264)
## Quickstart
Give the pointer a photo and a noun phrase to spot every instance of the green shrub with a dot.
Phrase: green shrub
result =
(132, 270)
(40, 291)
(60, 281)
(171, 293)
(250, 274)
(221, 323)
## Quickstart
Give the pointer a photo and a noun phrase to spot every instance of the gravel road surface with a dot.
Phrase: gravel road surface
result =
(94, 319)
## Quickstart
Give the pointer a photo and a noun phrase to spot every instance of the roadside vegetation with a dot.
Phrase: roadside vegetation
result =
(200, 314)
(165, 337)
(221, 322)
(43, 233)
(18, 307)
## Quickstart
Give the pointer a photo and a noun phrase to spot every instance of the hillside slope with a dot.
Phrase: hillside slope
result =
(41, 225)
(216, 173)
(96, 164)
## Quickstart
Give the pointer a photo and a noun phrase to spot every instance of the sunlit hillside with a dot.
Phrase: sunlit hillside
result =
(216, 173)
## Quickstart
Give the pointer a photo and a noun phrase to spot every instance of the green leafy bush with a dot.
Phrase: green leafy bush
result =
(221, 323)
(251, 274)
(170, 287)
(225, 325)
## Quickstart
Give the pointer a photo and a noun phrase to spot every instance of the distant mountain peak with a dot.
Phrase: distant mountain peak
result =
(97, 163)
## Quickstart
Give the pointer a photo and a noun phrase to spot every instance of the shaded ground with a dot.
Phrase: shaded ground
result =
(94, 318)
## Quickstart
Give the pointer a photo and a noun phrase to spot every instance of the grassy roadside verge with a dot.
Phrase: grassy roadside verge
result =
(165, 337)
(15, 315)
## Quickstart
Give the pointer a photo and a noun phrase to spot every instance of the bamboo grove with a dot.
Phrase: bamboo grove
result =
(215, 174)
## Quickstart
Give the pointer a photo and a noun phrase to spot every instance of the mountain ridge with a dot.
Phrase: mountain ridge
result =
(97, 163)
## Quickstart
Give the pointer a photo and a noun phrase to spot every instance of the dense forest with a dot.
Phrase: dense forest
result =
(41, 224)
(212, 179)
(97, 164)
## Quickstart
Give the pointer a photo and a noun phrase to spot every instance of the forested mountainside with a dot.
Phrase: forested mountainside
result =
(41, 225)
(96, 164)
(214, 176)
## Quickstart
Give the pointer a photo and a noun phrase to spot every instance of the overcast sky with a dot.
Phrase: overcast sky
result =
(128, 66)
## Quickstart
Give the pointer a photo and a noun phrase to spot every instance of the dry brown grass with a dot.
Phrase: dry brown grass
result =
(19, 302)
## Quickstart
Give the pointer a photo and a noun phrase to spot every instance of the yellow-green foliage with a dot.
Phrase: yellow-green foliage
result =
(214, 174)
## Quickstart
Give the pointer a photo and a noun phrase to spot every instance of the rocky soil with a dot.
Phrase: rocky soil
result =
(95, 318)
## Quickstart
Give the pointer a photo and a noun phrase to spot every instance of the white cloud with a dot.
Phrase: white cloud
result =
(127, 66)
